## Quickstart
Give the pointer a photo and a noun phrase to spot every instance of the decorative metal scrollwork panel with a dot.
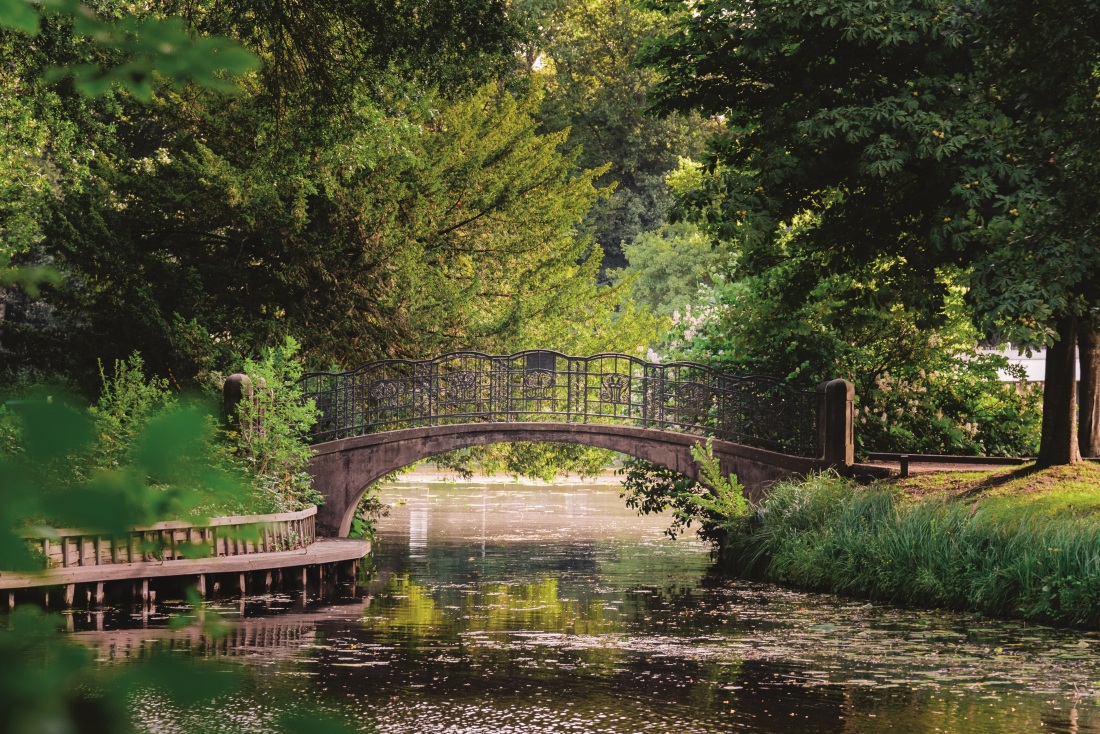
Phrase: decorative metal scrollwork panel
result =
(542, 385)
(461, 387)
(614, 388)
(538, 381)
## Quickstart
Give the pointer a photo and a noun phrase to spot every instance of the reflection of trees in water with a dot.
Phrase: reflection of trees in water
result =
(407, 606)
(448, 562)
(409, 615)
(488, 648)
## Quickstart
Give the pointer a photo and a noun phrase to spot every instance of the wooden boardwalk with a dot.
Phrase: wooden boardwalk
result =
(172, 540)
(324, 551)
(237, 546)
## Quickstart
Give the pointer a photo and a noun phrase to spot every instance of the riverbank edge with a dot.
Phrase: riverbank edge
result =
(1018, 544)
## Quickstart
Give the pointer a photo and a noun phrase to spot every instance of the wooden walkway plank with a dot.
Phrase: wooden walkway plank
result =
(326, 550)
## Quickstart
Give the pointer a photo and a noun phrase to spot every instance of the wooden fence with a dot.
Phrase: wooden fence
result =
(174, 540)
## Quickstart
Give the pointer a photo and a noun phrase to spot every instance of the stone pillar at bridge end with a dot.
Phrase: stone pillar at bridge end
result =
(236, 388)
(836, 441)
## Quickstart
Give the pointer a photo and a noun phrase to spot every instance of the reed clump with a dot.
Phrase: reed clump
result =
(1021, 548)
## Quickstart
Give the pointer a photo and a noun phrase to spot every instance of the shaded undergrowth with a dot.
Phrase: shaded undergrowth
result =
(1017, 552)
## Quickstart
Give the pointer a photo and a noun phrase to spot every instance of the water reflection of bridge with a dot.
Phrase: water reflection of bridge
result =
(388, 414)
(278, 636)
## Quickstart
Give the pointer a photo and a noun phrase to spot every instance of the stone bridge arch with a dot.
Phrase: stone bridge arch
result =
(343, 470)
(388, 414)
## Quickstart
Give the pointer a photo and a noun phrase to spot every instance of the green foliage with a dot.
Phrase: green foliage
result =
(534, 460)
(267, 432)
(718, 505)
(322, 55)
(920, 385)
(667, 267)
(371, 220)
(49, 480)
(827, 533)
(127, 401)
(130, 430)
(49, 681)
(48, 133)
(406, 223)
(146, 47)
(371, 509)
(134, 416)
(36, 697)
(585, 50)
(39, 161)
(953, 404)
(879, 120)
(409, 233)
(726, 497)
(847, 252)
(936, 139)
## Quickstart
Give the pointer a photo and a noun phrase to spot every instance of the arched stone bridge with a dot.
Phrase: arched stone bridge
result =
(389, 414)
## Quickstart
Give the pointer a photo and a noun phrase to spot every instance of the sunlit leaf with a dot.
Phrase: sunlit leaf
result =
(18, 15)
(52, 429)
(167, 446)
(111, 502)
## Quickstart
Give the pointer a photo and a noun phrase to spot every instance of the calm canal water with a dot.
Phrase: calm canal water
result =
(515, 608)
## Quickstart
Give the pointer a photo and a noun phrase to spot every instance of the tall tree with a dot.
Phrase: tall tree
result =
(390, 237)
(43, 151)
(1088, 341)
(339, 196)
(585, 49)
(332, 51)
(914, 130)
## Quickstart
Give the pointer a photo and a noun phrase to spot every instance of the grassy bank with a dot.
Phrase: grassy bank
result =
(1023, 543)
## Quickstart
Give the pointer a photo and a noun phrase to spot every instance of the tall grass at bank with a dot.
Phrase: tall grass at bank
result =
(999, 558)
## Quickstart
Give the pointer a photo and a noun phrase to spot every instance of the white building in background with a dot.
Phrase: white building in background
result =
(1035, 365)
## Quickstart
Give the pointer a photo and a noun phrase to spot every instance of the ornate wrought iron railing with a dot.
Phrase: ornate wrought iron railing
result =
(470, 387)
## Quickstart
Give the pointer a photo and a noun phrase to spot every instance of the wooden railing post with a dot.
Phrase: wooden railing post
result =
(836, 424)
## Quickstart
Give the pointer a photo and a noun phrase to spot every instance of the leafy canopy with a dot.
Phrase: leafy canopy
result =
(905, 128)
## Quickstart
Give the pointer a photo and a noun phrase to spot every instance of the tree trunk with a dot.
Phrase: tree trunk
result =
(1059, 441)
(1088, 427)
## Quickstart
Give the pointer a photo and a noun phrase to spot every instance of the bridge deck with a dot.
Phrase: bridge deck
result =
(328, 550)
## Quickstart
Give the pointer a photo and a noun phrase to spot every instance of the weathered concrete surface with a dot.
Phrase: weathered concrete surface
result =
(342, 470)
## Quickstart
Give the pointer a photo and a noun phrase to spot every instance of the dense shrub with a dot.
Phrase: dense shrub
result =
(830, 534)
(921, 385)
(262, 458)
(127, 401)
(266, 436)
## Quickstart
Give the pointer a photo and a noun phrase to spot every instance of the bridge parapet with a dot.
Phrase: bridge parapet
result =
(547, 386)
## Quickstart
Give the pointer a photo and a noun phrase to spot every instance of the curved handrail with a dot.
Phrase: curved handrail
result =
(177, 539)
(485, 355)
(546, 385)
